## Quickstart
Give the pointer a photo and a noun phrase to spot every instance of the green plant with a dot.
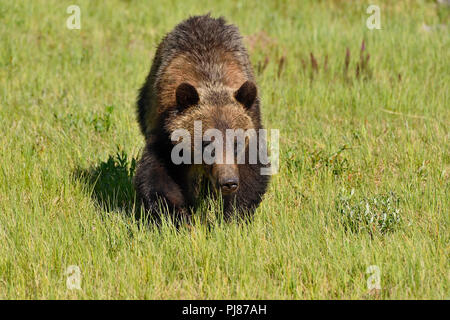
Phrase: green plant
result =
(377, 214)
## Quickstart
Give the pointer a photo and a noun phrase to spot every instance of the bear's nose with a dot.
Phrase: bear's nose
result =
(229, 185)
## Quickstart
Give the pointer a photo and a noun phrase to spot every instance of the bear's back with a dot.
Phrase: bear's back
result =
(202, 51)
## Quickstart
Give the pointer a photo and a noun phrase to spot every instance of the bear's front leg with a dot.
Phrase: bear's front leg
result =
(252, 186)
(156, 189)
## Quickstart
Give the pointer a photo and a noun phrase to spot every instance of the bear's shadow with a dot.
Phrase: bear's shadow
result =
(110, 183)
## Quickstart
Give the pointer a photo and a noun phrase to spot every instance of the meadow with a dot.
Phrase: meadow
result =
(362, 192)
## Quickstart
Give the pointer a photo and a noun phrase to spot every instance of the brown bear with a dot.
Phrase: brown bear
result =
(201, 72)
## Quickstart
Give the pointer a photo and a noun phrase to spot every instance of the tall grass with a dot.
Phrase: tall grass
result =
(364, 159)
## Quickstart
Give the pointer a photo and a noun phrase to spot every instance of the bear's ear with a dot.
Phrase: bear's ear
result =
(246, 94)
(186, 96)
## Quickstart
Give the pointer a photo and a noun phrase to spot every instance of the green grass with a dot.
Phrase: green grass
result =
(364, 161)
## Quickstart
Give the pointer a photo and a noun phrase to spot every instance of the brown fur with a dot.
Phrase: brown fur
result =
(233, 74)
(206, 60)
(233, 114)
(179, 70)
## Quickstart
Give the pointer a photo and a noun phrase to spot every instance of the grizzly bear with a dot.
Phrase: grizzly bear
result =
(201, 72)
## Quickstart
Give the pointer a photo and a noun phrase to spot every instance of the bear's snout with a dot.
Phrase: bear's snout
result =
(229, 185)
(226, 177)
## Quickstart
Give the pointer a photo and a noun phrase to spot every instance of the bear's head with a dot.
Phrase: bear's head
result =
(219, 122)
